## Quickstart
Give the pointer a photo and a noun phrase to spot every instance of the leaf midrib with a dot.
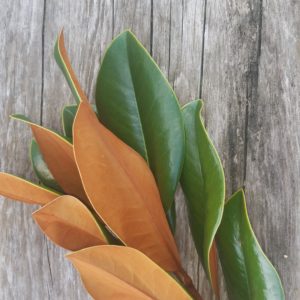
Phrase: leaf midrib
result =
(137, 103)
(118, 278)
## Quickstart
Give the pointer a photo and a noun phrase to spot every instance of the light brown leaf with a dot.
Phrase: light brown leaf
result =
(122, 189)
(16, 188)
(59, 157)
(68, 223)
(114, 272)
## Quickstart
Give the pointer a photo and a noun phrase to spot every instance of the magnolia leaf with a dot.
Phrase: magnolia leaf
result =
(68, 116)
(248, 272)
(203, 184)
(69, 224)
(63, 62)
(40, 168)
(122, 189)
(113, 272)
(19, 189)
(59, 157)
(171, 217)
(136, 102)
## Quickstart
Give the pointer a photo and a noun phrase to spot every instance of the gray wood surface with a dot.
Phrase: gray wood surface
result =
(241, 56)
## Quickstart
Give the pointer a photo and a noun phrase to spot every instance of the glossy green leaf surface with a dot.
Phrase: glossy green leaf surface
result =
(68, 115)
(40, 168)
(249, 275)
(171, 217)
(135, 101)
(203, 184)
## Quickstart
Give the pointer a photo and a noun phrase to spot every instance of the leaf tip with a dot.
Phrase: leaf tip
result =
(61, 39)
(20, 117)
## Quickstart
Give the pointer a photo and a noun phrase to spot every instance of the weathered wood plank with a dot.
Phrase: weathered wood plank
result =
(134, 15)
(252, 114)
(24, 272)
(177, 48)
(88, 29)
(273, 139)
(229, 73)
(229, 81)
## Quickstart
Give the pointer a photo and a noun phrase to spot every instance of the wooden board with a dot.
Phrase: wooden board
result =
(273, 142)
(229, 81)
(241, 57)
(24, 269)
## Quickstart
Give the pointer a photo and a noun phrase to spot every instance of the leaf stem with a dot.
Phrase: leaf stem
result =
(188, 283)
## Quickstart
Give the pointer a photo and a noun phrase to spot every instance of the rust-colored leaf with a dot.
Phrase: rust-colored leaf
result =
(63, 61)
(69, 224)
(114, 272)
(122, 189)
(213, 262)
(59, 157)
(16, 188)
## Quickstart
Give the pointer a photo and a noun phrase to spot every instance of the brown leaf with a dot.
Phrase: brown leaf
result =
(213, 261)
(122, 189)
(63, 61)
(114, 272)
(16, 188)
(59, 157)
(69, 224)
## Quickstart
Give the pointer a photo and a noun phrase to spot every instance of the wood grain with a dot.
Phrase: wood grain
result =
(230, 73)
(242, 57)
(84, 23)
(177, 47)
(24, 272)
(273, 142)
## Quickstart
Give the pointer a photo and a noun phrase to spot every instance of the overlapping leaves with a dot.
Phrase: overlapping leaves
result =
(69, 224)
(112, 272)
(110, 185)
(136, 102)
(115, 186)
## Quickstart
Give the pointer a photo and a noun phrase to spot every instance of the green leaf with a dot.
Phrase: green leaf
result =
(21, 118)
(135, 101)
(203, 184)
(68, 116)
(171, 217)
(40, 168)
(249, 275)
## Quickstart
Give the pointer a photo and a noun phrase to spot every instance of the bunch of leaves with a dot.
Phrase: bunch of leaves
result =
(107, 187)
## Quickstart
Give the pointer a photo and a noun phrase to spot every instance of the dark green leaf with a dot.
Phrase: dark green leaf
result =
(249, 275)
(40, 168)
(171, 217)
(68, 115)
(203, 184)
(135, 101)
